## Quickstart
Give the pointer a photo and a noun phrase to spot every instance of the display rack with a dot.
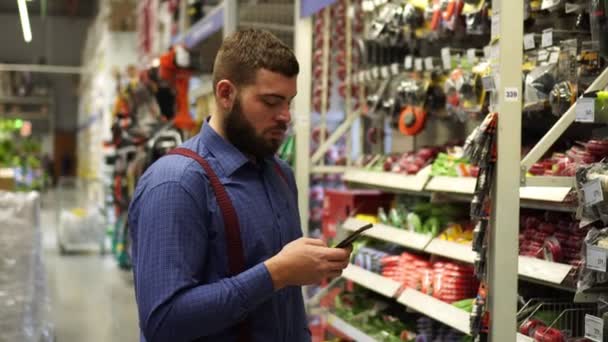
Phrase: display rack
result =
(372, 281)
(436, 309)
(544, 272)
(343, 329)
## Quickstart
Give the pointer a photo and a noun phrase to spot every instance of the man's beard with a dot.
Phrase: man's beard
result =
(241, 133)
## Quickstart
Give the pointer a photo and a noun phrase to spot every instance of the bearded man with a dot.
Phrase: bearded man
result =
(218, 252)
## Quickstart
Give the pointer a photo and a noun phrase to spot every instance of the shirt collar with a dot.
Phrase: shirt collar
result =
(228, 156)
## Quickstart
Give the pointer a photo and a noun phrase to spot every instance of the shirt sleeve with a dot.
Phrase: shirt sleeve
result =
(172, 249)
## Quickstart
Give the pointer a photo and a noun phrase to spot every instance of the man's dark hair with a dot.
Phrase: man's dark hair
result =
(245, 52)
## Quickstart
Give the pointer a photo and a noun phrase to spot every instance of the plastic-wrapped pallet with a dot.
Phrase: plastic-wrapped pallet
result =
(24, 303)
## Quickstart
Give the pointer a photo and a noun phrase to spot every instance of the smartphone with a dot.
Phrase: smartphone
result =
(354, 236)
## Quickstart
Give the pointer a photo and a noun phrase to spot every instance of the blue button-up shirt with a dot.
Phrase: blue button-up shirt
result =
(180, 261)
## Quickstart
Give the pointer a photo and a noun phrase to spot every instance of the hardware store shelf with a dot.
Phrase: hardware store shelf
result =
(388, 180)
(452, 250)
(390, 234)
(375, 282)
(534, 197)
(436, 309)
(542, 270)
(344, 328)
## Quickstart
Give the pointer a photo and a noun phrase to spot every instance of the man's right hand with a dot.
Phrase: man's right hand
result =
(306, 261)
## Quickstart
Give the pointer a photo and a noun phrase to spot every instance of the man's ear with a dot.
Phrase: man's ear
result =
(225, 94)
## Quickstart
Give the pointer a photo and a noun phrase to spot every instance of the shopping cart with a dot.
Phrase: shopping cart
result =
(81, 223)
(566, 317)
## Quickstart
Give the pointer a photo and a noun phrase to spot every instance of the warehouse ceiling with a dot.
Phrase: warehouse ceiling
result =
(73, 8)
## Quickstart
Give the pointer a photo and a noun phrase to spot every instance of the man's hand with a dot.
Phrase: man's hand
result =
(306, 261)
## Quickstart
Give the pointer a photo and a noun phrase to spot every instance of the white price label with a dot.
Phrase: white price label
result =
(529, 43)
(554, 57)
(585, 109)
(495, 25)
(395, 69)
(511, 94)
(543, 55)
(495, 52)
(446, 58)
(418, 64)
(596, 258)
(546, 4)
(375, 73)
(408, 63)
(361, 76)
(593, 193)
(384, 72)
(471, 56)
(488, 83)
(428, 63)
(547, 39)
(487, 51)
(571, 8)
(594, 328)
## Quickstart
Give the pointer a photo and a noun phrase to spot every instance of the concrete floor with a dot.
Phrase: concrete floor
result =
(92, 300)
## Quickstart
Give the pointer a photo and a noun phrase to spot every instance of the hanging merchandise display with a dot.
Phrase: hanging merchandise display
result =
(146, 126)
(426, 91)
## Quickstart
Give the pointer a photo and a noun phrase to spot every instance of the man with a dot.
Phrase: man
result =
(184, 281)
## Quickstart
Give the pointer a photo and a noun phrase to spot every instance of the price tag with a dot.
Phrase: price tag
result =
(395, 69)
(596, 258)
(554, 57)
(487, 51)
(571, 8)
(547, 39)
(384, 72)
(446, 58)
(594, 328)
(546, 4)
(543, 55)
(511, 94)
(375, 73)
(529, 43)
(471, 56)
(495, 26)
(408, 63)
(593, 193)
(585, 109)
(488, 83)
(428, 63)
(361, 76)
(418, 64)
(368, 75)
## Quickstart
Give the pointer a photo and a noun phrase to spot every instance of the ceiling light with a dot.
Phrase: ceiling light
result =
(25, 21)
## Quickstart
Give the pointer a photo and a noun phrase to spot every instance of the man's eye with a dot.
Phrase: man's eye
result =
(271, 103)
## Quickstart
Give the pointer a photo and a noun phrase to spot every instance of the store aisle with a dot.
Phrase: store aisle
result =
(92, 300)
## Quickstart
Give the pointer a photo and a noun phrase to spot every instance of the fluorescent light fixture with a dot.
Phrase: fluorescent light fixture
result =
(25, 21)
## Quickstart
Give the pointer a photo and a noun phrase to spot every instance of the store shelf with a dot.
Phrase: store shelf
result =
(436, 309)
(375, 282)
(202, 29)
(347, 330)
(25, 100)
(390, 234)
(544, 193)
(452, 250)
(551, 273)
(459, 185)
(388, 180)
(524, 338)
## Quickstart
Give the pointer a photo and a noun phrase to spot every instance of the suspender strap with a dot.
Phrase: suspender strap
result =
(236, 256)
